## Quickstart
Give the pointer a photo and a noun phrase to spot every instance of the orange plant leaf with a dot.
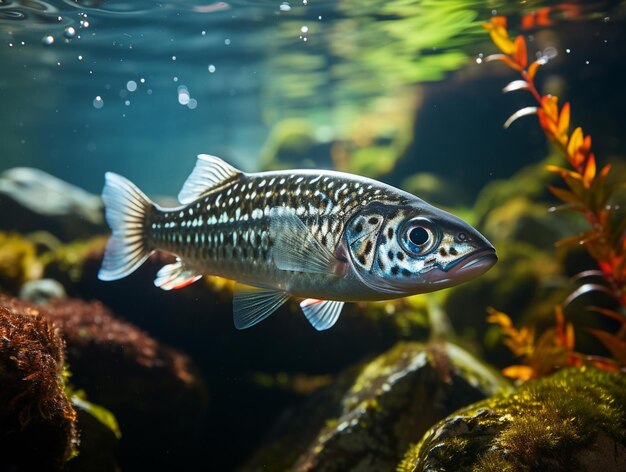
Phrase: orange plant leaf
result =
(533, 68)
(590, 171)
(605, 170)
(499, 34)
(575, 141)
(499, 318)
(614, 344)
(504, 58)
(564, 172)
(563, 125)
(565, 195)
(520, 56)
(520, 372)
(550, 105)
(575, 240)
(547, 123)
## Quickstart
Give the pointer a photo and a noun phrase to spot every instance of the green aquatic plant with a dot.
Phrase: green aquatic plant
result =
(589, 191)
(18, 261)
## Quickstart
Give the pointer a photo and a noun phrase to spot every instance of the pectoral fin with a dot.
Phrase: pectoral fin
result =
(296, 249)
(251, 305)
(322, 314)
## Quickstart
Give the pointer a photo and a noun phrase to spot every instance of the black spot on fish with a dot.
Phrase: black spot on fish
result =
(381, 265)
(395, 270)
(443, 252)
(390, 255)
(383, 239)
(362, 259)
(358, 228)
(453, 251)
(430, 261)
(373, 220)
(406, 272)
(390, 232)
(234, 252)
(400, 256)
(368, 247)
(324, 240)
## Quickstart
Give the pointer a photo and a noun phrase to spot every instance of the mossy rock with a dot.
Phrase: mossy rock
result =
(37, 419)
(383, 406)
(573, 420)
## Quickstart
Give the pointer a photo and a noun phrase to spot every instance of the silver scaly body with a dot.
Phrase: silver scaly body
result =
(325, 236)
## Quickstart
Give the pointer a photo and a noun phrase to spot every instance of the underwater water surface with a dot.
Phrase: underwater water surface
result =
(396, 90)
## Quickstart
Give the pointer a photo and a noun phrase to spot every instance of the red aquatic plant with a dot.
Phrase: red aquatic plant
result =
(587, 191)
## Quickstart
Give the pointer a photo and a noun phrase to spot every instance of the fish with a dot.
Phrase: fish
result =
(323, 236)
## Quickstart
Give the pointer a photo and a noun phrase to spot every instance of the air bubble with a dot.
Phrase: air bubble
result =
(127, 103)
(284, 6)
(193, 103)
(70, 32)
(227, 42)
(98, 102)
(131, 85)
(48, 40)
(304, 29)
(183, 95)
(211, 68)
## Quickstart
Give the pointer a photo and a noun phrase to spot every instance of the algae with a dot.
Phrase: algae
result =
(568, 421)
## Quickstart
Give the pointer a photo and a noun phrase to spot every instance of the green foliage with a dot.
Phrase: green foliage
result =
(18, 261)
(104, 416)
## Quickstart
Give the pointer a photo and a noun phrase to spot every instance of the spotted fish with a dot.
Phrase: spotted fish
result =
(327, 237)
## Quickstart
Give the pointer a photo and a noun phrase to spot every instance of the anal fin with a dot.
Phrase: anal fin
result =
(322, 314)
(251, 305)
(176, 275)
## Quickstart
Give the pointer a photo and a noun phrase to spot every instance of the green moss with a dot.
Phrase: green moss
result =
(69, 259)
(18, 261)
(547, 424)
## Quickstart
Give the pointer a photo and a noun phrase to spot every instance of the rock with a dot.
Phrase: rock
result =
(374, 412)
(33, 200)
(37, 420)
(573, 420)
(41, 291)
(153, 391)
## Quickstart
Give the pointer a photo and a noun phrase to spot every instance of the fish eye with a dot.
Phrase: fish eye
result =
(418, 236)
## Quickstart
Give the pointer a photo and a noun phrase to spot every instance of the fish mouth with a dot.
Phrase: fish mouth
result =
(474, 264)
(468, 267)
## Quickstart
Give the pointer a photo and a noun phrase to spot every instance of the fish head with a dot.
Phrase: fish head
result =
(414, 249)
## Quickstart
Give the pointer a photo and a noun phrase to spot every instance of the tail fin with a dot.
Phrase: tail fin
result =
(126, 208)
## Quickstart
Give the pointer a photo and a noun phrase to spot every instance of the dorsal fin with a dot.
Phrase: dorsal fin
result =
(209, 172)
